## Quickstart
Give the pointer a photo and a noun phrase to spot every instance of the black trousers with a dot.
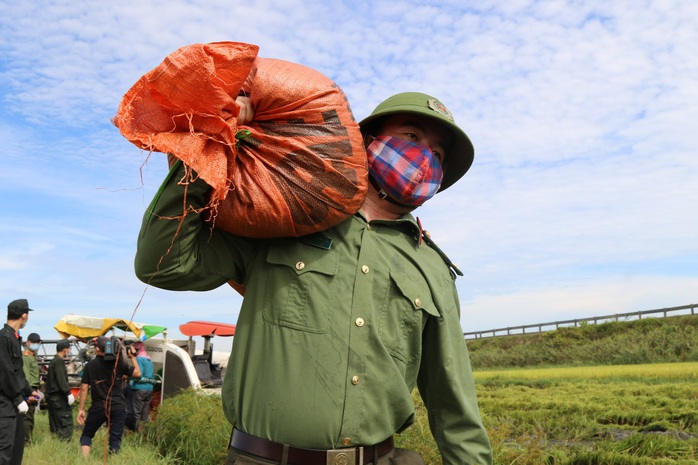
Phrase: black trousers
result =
(29, 424)
(96, 417)
(11, 440)
(60, 416)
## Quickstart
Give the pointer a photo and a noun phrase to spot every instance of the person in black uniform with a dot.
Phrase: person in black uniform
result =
(14, 388)
(60, 399)
(105, 378)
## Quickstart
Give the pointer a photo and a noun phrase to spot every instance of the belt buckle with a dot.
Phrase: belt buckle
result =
(345, 456)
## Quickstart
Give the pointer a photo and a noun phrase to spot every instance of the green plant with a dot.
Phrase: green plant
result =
(190, 427)
(650, 340)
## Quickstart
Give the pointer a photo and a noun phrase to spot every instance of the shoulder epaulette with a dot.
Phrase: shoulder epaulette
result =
(318, 240)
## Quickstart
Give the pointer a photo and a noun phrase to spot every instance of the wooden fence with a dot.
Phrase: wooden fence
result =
(541, 327)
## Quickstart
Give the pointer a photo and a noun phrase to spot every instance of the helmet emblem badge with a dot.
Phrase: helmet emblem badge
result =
(440, 108)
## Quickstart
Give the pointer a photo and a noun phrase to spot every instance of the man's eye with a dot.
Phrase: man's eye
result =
(439, 156)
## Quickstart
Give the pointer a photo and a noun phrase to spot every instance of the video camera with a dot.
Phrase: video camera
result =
(128, 347)
(109, 345)
(111, 348)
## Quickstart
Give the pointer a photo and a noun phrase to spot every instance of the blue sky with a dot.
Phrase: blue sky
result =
(582, 199)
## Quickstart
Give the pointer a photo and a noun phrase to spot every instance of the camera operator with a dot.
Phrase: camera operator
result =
(105, 376)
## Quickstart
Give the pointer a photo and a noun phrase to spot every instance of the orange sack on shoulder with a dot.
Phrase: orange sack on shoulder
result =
(299, 167)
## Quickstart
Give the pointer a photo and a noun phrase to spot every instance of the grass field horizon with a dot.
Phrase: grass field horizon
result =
(537, 409)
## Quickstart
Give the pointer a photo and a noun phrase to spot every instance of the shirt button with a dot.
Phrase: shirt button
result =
(360, 322)
(300, 266)
(368, 226)
(418, 302)
(365, 269)
(354, 380)
(346, 441)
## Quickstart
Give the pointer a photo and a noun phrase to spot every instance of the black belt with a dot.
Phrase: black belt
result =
(275, 451)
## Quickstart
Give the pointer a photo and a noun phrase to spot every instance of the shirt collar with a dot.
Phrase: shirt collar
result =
(407, 223)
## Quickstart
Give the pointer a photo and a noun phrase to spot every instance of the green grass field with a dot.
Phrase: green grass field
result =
(616, 415)
(47, 450)
(605, 415)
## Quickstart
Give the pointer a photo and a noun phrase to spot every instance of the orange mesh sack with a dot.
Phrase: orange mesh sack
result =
(299, 167)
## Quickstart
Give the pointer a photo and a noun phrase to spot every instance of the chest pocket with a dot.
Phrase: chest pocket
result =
(16, 355)
(299, 292)
(403, 314)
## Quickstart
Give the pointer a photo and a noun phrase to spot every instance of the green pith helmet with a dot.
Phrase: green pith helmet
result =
(459, 156)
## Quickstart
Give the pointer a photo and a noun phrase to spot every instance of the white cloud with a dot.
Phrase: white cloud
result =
(582, 195)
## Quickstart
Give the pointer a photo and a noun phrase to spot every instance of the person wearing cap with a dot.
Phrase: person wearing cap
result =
(105, 379)
(336, 329)
(31, 371)
(14, 388)
(59, 396)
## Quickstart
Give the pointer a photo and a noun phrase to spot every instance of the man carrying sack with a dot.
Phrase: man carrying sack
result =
(337, 327)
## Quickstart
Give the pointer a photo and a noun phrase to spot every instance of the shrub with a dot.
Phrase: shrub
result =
(192, 428)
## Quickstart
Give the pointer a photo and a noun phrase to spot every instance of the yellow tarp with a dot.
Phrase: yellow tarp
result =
(86, 327)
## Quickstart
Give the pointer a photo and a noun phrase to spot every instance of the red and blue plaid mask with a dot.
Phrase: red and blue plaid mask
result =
(408, 172)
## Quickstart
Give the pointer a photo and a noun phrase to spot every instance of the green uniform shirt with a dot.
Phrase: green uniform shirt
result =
(335, 329)
(31, 368)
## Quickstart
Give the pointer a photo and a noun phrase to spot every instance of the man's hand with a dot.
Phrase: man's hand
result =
(246, 114)
(81, 417)
(23, 408)
(171, 160)
(34, 398)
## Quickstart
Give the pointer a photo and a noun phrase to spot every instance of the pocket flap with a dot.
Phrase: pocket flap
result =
(416, 291)
(303, 259)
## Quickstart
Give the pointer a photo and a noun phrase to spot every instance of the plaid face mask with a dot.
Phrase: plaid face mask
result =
(408, 172)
